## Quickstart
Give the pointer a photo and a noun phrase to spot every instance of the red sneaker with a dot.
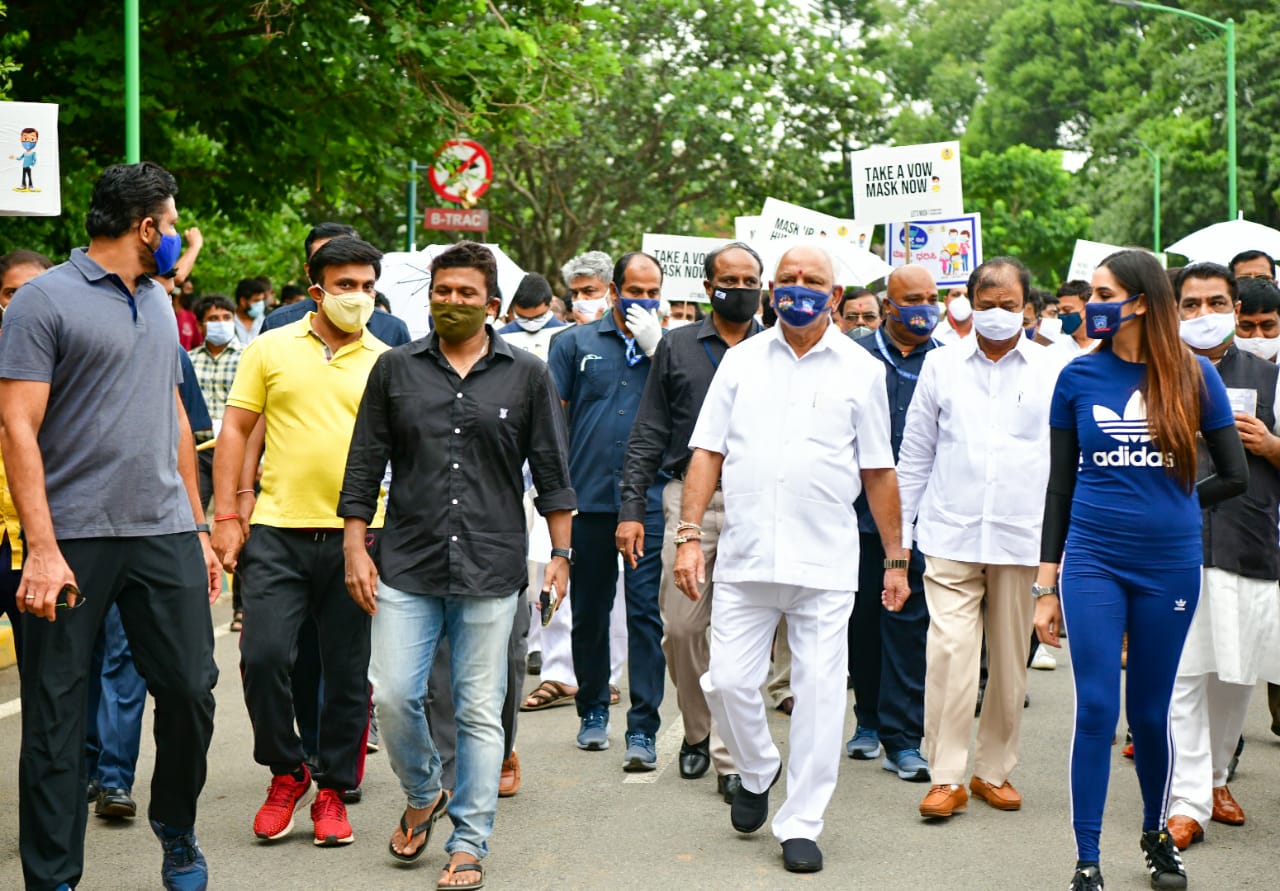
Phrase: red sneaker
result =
(275, 817)
(330, 816)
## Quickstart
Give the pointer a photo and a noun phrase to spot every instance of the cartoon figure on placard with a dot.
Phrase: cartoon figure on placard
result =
(862, 240)
(937, 184)
(965, 248)
(944, 260)
(953, 245)
(29, 138)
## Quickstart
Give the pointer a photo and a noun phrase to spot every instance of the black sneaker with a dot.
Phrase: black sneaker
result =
(1088, 878)
(1163, 860)
(115, 803)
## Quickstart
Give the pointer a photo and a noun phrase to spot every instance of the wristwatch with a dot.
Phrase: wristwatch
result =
(566, 553)
(202, 527)
(895, 564)
(1038, 591)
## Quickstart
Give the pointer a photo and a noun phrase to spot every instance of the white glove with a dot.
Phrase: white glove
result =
(645, 328)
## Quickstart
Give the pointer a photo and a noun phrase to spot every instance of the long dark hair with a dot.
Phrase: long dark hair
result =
(1173, 380)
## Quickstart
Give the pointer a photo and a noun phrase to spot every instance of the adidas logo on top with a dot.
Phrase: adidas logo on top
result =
(1129, 428)
(1179, 605)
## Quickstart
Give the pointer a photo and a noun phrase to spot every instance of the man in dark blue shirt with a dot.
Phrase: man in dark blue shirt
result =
(600, 369)
(887, 649)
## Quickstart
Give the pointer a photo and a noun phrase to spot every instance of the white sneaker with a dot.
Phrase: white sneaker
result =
(1043, 660)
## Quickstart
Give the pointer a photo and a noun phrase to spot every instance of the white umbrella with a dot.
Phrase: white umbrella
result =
(853, 265)
(406, 280)
(1222, 241)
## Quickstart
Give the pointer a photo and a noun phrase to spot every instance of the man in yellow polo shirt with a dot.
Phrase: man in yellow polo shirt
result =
(306, 379)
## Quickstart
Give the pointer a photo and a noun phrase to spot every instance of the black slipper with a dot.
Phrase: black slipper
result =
(453, 870)
(750, 810)
(423, 829)
(801, 855)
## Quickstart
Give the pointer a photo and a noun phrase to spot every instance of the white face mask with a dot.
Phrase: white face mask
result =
(1208, 331)
(589, 310)
(996, 324)
(960, 309)
(535, 324)
(673, 324)
(1262, 347)
(1051, 328)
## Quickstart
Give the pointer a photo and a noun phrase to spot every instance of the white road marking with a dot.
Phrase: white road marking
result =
(14, 706)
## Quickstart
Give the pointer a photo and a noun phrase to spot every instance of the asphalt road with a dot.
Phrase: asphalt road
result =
(580, 822)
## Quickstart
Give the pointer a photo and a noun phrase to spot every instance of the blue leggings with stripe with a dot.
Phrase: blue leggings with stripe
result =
(1100, 603)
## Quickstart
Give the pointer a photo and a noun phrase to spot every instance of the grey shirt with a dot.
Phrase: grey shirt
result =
(109, 440)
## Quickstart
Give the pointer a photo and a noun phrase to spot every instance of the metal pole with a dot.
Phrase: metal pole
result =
(1231, 117)
(411, 213)
(1155, 202)
(132, 90)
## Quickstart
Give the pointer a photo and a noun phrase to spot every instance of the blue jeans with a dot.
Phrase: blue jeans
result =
(406, 632)
(594, 585)
(117, 698)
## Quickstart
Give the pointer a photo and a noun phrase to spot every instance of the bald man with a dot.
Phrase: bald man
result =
(886, 649)
(794, 426)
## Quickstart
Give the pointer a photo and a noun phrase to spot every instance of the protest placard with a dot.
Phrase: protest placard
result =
(30, 182)
(781, 219)
(682, 258)
(949, 249)
(744, 228)
(908, 182)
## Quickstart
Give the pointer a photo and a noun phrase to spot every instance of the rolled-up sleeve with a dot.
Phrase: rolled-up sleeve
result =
(370, 448)
(548, 451)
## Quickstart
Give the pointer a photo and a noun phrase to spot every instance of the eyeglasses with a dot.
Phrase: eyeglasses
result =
(64, 598)
(861, 316)
(1259, 275)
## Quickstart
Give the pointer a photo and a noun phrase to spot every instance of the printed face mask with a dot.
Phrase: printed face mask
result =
(735, 305)
(1103, 320)
(644, 303)
(997, 324)
(799, 306)
(919, 318)
(1262, 347)
(1208, 331)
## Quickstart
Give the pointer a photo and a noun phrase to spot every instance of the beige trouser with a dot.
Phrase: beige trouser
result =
(956, 592)
(685, 623)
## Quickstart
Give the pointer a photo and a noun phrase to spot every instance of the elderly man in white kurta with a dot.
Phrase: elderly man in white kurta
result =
(795, 425)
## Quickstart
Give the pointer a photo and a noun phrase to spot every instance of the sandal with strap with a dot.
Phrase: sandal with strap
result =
(548, 694)
(615, 695)
(423, 829)
(453, 869)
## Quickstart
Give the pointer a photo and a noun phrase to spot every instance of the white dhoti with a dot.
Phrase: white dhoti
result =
(744, 616)
(1232, 642)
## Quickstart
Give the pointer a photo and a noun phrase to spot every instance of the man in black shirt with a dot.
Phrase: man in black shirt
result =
(457, 413)
(683, 366)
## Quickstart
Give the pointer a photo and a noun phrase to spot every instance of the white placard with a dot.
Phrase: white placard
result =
(744, 228)
(907, 183)
(949, 249)
(1244, 401)
(1088, 254)
(682, 258)
(30, 181)
(781, 219)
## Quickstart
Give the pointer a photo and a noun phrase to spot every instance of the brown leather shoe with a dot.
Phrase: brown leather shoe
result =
(1184, 831)
(1003, 797)
(1225, 808)
(509, 783)
(943, 801)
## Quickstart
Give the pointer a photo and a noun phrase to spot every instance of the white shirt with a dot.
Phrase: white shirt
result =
(1067, 347)
(974, 461)
(537, 342)
(947, 335)
(247, 335)
(795, 434)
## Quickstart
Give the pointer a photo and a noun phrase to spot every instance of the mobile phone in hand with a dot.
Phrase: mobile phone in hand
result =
(547, 603)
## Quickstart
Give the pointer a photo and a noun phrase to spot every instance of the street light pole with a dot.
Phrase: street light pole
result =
(411, 213)
(1155, 192)
(132, 86)
(1229, 29)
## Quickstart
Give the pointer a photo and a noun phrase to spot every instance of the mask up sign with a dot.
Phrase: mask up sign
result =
(30, 182)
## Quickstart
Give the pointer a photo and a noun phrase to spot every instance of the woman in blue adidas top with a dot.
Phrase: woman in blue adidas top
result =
(1123, 506)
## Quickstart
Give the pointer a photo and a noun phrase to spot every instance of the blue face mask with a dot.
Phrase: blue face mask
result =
(918, 318)
(28, 145)
(1103, 320)
(799, 306)
(1070, 322)
(167, 253)
(643, 302)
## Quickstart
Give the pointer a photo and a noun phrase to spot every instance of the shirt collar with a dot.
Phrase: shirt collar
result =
(232, 346)
(302, 328)
(708, 328)
(1025, 344)
(826, 342)
(93, 272)
(608, 324)
(430, 343)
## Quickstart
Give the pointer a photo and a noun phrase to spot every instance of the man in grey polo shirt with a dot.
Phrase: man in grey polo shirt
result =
(102, 467)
